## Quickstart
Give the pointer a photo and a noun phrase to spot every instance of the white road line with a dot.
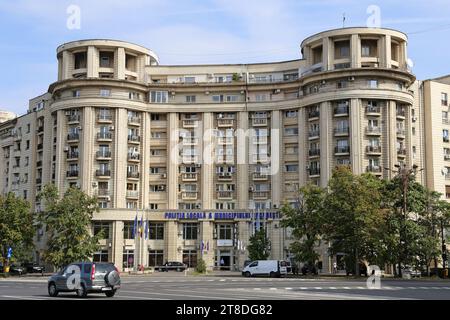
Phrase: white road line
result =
(288, 288)
(273, 289)
(25, 298)
(318, 288)
(253, 289)
(185, 293)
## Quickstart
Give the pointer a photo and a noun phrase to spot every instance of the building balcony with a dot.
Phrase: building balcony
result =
(17, 137)
(190, 123)
(312, 135)
(73, 137)
(73, 156)
(190, 141)
(101, 193)
(225, 140)
(225, 195)
(373, 131)
(341, 150)
(103, 155)
(134, 139)
(445, 139)
(314, 172)
(447, 157)
(189, 195)
(225, 176)
(103, 173)
(374, 169)
(259, 176)
(224, 159)
(189, 177)
(401, 152)
(38, 180)
(134, 121)
(40, 130)
(314, 153)
(373, 111)
(40, 146)
(341, 111)
(373, 150)
(104, 136)
(222, 123)
(104, 118)
(132, 157)
(313, 115)
(259, 122)
(401, 114)
(133, 175)
(260, 158)
(72, 174)
(341, 131)
(39, 163)
(260, 195)
(73, 119)
(189, 159)
(401, 133)
(260, 140)
(132, 194)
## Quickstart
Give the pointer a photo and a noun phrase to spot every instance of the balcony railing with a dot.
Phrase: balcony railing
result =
(401, 152)
(314, 114)
(189, 176)
(190, 123)
(189, 195)
(225, 176)
(225, 140)
(104, 136)
(103, 154)
(132, 194)
(133, 138)
(134, 120)
(259, 121)
(225, 194)
(75, 118)
(345, 130)
(373, 130)
(314, 152)
(73, 136)
(313, 134)
(341, 111)
(225, 122)
(103, 192)
(104, 118)
(72, 155)
(72, 174)
(260, 195)
(373, 149)
(40, 129)
(314, 171)
(103, 173)
(401, 132)
(374, 169)
(401, 113)
(132, 174)
(373, 110)
(259, 176)
(134, 157)
(342, 149)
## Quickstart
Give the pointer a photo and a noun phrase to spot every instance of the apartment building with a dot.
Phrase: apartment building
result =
(208, 153)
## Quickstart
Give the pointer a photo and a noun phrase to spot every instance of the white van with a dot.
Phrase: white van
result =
(272, 268)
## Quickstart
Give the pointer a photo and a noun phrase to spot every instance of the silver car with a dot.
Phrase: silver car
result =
(84, 278)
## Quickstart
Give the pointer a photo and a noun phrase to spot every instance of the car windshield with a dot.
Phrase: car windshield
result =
(102, 268)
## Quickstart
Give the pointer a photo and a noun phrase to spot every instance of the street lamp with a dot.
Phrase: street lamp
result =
(404, 173)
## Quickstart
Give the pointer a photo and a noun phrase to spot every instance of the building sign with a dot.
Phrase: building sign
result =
(221, 215)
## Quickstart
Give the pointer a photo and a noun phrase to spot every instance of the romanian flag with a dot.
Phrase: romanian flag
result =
(135, 227)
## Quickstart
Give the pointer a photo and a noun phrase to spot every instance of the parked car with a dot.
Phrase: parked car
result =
(17, 270)
(172, 266)
(94, 278)
(272, 268)
(409, 271)
(247, 262)
(350, 269)
(34, 268)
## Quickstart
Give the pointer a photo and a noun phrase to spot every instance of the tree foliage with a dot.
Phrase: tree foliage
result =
(258, 248)
(305, 219)
(67, 223)
(16, 227)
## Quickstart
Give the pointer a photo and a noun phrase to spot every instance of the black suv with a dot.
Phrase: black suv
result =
(94, 278)
(172, 266)
(34, 268)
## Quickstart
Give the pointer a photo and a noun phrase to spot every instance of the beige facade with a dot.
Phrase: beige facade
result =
(208, 153)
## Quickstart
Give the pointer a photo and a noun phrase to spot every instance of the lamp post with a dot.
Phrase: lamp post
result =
(404, 174)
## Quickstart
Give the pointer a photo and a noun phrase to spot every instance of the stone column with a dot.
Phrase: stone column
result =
(355, 47)
(87, 149)
(356, 155)
(171, 241)
(117, 244)
(302, 145)
(145, 167)
(326, 147)
(207, 228)
(119, 64)
(242, 161)
(391, 132)
(120, 165)
(172, 162)
(276, 164)
(207, 176)
(93, 62)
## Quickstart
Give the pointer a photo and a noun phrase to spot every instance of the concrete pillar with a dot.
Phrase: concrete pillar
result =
(355, 47)
(119, 64)
(356, 154)
(207, 176)
(326, 147)
(302, 145)
(87, 149)
(387, 52)
(117, 244)
(327, 50)
(207, 228)
(93, 62)
(120, 165)
(171, 241)
(172, 165)
(145, 167)
(67, 65)
(392, 136)
(242, 162)
(61, 132)
(276, 164)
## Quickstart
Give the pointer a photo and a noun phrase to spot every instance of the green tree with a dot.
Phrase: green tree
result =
(352, 215)
(258, 248)
(67, 221)
(16, 227)
(201, 266)
(306, 221)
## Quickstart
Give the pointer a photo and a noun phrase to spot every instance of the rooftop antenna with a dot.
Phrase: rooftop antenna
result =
(343, 20)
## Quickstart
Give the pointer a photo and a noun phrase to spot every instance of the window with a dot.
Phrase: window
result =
(105, 92)
(225, 232)
(190, 99)
(190, 231)
(189, 79)
(190, 258)
(291, 168)
(444, 99)
(75, 93)
(158, 96)
(134, 95)
(28, 128)
(261, 97)
(217, 98)
(225, 206)
(80, 60)
(291, 114)
(373, 84)
(106, 59)
(100, 256)
(153, 206)
(291, 131)
(156, 231)
(103, 205)
(369, 48)
(291, 149)
(128, 259)
(232, 98)
(342, 49)
(342, 84)
(101, 226)
(128, 229)
(155, 258)
(445, 135)
(317, 54)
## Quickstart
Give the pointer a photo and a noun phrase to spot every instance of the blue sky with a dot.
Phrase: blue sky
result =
(209, 31)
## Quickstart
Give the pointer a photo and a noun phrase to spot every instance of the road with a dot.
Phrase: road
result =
(175, 286)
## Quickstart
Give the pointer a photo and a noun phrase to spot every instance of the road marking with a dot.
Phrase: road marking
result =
(288, 288)
(185, 294)
(273, 289)
(25, 297)
(253, 289)
(318, 288)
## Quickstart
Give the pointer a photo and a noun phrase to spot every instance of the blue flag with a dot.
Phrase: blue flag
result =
(135, 227)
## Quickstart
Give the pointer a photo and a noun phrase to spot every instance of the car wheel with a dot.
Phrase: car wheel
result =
(110, 294)
(247, 274)
(52, 291)
(178, 270)
(81, 292)
(272, 274)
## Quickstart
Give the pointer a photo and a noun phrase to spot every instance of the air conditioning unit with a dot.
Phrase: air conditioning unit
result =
(67, 113)
(164, 175)
(198, 206)
(210, 75)
(414, 119)
(112, 128)
(161, 188)
(220, 115)
(197, 165)
(66, 149)
(351, 79)
(251, 189)
(323, 82)
(276, 91)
